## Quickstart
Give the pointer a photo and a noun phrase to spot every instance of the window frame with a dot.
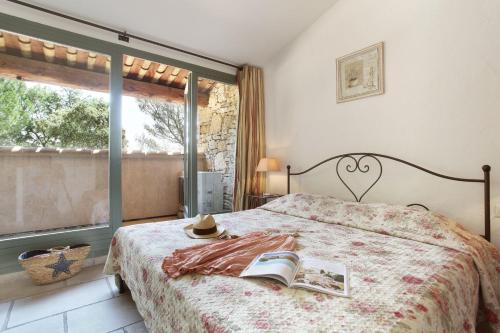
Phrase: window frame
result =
(99, 237)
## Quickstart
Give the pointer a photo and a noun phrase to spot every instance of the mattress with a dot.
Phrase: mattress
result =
(410, 271)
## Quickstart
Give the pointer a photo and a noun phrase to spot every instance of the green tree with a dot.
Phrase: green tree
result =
(12, 118)
(41, 117)
(83, 123)
(168, 120)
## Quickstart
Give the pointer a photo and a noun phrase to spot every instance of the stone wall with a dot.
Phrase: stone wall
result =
(217, 138)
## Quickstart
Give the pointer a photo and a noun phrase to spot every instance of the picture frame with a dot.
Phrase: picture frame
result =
(361, 74)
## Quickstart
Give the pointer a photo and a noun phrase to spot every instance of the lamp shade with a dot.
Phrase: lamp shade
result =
(268, 164)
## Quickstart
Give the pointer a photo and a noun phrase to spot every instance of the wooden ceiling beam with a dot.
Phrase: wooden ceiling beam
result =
(173, 75)
(107, 69)
(166, 74)
(91, 60)
(39, 71)
(49, 51)
(25, 46)
(127, 65)
(181, 79)
(100, 63)
(144, 69)
(160, 70)
(2, 43)
(60, 55)
(71, 54)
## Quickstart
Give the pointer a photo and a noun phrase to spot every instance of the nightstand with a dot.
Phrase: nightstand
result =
(257, 200)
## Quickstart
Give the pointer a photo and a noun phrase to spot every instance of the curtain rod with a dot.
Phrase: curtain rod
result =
(122, 35)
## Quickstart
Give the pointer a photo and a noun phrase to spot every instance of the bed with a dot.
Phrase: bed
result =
(411, 270)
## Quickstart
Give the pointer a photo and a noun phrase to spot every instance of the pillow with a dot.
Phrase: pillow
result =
(395, 220)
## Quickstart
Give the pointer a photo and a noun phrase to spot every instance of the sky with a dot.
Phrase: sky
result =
(133, 120)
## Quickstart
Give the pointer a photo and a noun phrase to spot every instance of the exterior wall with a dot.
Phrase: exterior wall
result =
(217, 138)
(44, 188)
(48, 188)
(150, 184)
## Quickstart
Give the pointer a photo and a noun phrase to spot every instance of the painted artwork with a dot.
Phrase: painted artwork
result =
(361, 74)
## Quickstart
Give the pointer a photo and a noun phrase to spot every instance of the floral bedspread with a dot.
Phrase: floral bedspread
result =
(410, 271)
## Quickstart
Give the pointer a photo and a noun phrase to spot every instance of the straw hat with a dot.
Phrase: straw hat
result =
(204, 227)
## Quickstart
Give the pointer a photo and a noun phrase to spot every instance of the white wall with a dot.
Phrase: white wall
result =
(441, 108)
(57, 22)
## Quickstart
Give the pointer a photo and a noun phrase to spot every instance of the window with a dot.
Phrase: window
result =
(153, 113)
(64, 112)
(54, 134)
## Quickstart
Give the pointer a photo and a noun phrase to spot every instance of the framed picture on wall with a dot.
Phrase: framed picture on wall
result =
(361, 73)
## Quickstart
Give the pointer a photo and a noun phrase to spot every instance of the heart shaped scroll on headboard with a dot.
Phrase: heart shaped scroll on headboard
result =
(355, 165)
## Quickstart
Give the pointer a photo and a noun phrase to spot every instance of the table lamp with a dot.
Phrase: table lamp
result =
(266, 165)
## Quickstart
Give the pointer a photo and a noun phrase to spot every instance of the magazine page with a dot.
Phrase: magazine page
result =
(323, 276)
(281, 266)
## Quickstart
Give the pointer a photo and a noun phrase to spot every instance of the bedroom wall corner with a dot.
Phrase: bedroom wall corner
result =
(440, 109)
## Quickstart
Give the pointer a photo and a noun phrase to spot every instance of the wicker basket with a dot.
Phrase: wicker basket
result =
(54, 264)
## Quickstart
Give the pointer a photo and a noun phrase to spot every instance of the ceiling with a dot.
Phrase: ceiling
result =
(237, 31)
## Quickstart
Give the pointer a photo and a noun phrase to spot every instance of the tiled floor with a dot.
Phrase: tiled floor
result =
(86, 303)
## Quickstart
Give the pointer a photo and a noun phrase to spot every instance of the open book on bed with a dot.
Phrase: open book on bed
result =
(313, 274)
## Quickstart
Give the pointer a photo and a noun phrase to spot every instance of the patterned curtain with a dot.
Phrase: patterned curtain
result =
(251, 137)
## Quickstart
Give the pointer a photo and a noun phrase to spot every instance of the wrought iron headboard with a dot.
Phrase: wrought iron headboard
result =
(354, 163)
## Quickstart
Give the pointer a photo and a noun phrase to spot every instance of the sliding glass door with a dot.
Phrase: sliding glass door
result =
(153, 111)
(93, 133)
